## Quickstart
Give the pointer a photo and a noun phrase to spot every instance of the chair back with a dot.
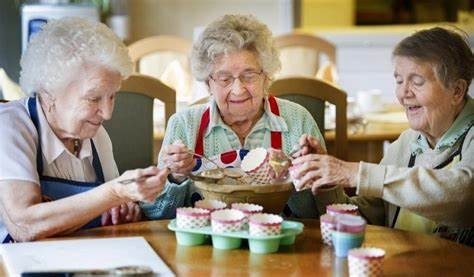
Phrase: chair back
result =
(312, 94)
(143, 47)
(131, 126)
(167, 59)
(301, 54)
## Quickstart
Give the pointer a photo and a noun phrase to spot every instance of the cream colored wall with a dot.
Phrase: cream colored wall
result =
(180, 17)
(327, 13)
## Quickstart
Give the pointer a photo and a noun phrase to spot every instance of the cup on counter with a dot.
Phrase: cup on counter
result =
(349, 233)
(366, 262)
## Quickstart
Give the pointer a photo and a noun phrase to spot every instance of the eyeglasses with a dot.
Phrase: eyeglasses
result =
(246, 78)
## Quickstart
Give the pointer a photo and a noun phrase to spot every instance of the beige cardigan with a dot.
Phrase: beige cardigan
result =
(445, 196)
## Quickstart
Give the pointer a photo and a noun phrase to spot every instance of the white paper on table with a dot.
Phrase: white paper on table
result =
(81, 254)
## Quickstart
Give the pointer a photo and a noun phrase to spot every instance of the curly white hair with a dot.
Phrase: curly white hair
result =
(56, 54)
(232, 33)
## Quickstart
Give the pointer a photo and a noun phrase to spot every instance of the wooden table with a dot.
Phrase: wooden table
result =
(407, 253)
(367, 143)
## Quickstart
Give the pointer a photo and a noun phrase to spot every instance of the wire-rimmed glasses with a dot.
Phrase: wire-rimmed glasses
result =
(246, 78)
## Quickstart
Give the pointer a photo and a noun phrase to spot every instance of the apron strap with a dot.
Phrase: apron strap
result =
(199, 149)
(34, 117)
(275, 139)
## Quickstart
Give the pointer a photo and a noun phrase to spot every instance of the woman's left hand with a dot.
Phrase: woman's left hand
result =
(127, 212)
(315, 170)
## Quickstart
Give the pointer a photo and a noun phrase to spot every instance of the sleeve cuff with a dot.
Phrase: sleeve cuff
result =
(370, 179)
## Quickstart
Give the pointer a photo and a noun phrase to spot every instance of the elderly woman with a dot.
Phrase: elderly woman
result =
(58, 172)
(235, 57)
(425, 182)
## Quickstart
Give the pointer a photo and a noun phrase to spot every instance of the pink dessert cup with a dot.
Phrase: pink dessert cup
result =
(328, 225)
(191, 218)
(265, 224)
(227, 220)
(366, 262)
(210, 204)
(336, 209)
(256, 165)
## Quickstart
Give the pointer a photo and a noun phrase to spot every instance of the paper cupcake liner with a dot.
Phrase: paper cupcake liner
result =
(247, 208)
(260, 231)
(348, 223)
(265, 224)
(336, 209)
(261, 176)
(227, 220)
(192, 218)
(366, 262)
(210, 204)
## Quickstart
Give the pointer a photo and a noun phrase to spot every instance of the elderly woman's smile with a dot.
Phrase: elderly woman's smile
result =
(87, 102)
(428, 103)
(237, 85)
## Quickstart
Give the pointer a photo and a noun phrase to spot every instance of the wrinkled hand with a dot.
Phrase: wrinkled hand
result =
(315, 171)
(146, 189)
(126, 212)
(178, 160)
(309, 145)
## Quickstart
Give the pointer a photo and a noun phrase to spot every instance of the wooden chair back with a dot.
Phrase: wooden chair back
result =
(319, 45)
(131, 126)
(312, 94)
(150, 45)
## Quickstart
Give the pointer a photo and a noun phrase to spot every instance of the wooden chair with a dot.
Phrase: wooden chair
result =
(292, 66)
(312, 94)
(151, 45)
(131, 126)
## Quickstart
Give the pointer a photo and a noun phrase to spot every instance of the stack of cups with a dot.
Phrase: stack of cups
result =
(348, 234)
(328, 223)
(336, 209)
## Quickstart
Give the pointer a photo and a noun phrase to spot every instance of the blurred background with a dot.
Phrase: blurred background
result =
(346, 43)
(364, 31)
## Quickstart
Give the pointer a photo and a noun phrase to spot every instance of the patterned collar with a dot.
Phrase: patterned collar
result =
(268, 120)
(460, 126)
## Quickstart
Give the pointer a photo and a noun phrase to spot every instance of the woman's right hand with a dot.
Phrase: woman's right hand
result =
(177, 158)
(144, 189)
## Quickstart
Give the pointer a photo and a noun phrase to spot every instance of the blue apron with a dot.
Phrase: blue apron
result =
(56, 188)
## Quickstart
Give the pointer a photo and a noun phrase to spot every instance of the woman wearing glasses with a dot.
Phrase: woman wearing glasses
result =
(235, 57)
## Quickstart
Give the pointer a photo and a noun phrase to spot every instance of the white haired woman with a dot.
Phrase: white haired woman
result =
(425, 182)
(58, 172)
(235, 57)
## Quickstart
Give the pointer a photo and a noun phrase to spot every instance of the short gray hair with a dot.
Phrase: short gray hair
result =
(447, 49)
(55, 54)
(231, 33)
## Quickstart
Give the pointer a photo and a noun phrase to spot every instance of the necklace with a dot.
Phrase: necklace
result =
(77, 147)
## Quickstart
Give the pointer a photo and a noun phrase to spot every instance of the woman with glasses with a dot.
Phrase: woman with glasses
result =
(236, 59)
